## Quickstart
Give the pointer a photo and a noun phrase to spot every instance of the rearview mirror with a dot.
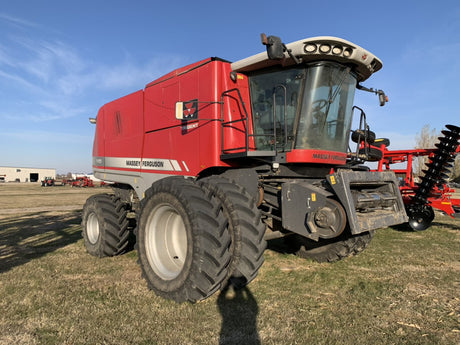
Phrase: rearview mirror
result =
(275, 48)
(382, 98)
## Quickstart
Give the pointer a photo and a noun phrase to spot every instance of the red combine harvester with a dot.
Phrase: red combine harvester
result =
(432, 191)
(204, 159)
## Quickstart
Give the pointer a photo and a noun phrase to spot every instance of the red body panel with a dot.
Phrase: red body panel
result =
(120, 128)
(140, 133)
(141, 129)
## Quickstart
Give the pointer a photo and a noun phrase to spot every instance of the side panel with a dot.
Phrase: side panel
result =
(119, 135)
(124, 126)
(183, 147)
(140, 140)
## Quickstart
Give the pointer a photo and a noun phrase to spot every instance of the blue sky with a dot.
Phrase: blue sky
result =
(60, 61)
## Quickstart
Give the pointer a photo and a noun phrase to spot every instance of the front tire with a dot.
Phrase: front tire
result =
(182, 242)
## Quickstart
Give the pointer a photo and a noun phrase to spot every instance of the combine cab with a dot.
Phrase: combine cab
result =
(205, 158)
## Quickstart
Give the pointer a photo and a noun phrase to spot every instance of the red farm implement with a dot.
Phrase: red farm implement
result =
(82, 182)
(431, 191)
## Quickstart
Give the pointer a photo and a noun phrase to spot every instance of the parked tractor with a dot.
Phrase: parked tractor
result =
(210, 160)
(432, 191)
(48, 182)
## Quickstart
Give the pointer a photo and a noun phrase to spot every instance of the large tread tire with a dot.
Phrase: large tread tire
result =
(245, 227)
(105, 225)
(182, 240)
(329, 250)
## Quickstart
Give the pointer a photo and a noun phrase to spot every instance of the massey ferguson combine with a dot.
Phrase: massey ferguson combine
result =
(207, 157)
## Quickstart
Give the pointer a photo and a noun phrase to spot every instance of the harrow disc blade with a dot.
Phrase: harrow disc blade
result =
(421, 218)
(454, 129)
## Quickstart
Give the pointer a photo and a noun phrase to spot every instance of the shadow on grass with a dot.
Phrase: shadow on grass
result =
(451, 224)
(404, 227)
(239, 311)
(33, 235)
(280, 245)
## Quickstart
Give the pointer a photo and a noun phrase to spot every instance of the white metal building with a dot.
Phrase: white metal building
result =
(16, 174)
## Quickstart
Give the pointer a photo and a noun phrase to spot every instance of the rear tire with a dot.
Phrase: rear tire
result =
(105, 226)
(329, 250)
(182, 242)
(245, 227)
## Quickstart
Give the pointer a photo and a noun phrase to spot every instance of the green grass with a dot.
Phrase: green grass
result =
(403, 289)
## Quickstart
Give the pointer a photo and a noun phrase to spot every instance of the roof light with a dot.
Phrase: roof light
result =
(347, 52)
(337, 50)
(310, 48)
(325, 48)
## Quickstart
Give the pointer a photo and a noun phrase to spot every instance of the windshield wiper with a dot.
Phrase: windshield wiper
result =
(332, 98)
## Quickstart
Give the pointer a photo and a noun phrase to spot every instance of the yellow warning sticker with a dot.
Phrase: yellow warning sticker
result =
(313, 196)
(332, 179)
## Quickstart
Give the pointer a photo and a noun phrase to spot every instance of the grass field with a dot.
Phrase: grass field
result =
(403, 289)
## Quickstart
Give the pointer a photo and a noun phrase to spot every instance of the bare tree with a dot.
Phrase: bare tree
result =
(426, 139)
(456, 169)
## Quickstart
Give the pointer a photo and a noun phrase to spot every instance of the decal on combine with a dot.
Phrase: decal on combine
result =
(144, 164)
(190, 109)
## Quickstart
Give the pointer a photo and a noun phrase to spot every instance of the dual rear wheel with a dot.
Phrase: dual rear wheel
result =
(192, 238)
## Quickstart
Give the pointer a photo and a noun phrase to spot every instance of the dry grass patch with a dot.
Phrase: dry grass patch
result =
(403, 289)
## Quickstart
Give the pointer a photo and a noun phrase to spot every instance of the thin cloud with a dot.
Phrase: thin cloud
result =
(18, 80)
(59, 81)
(17, 21)
(38, 137)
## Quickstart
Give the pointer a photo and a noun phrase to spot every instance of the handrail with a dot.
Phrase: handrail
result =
(246, 119)
(246, 124)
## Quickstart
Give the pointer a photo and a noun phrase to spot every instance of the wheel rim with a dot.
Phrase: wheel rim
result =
(166, 241)
(92, 228)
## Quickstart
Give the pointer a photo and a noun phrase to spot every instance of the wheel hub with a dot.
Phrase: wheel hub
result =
(92, 228)
(329, 221)
(166, 242)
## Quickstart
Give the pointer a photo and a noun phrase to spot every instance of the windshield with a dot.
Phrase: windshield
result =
(303, 107)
